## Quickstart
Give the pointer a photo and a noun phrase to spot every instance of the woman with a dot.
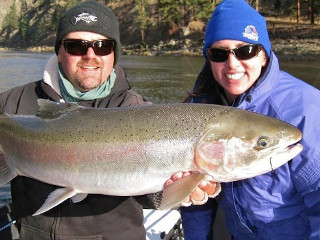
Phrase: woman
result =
(242, 71)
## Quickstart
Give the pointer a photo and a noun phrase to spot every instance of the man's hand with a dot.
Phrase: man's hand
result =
(199, 196)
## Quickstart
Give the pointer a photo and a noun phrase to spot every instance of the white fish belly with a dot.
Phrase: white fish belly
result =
(123, 169)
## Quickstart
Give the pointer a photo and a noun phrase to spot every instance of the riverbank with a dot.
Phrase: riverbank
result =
(287, 49)
(297, 49)
(295, 42)
(289, 42)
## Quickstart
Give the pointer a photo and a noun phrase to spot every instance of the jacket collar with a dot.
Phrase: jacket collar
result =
(51, 74)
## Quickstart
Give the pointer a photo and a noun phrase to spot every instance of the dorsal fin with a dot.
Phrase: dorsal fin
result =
(50, 110)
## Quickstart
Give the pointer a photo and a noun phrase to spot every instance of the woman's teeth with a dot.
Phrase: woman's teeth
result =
(235, 76)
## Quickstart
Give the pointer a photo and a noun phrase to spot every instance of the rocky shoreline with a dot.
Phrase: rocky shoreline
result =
(297, 49)
(293, 50)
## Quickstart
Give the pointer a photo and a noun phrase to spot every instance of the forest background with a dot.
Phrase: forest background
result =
(164, 27)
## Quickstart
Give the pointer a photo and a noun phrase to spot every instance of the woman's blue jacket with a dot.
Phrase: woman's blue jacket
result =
(282, 204)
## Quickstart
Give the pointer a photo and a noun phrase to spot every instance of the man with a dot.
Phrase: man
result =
(83, 71)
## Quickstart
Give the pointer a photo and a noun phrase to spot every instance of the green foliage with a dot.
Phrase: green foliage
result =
(11, 20)
(184, 11)
(71, 3)
(198, 8)
(141, 7)
(41, 2)
(41, 31)
(203, 9)
(291, 8)
(168, 10)
(24, 21)
(37, 21)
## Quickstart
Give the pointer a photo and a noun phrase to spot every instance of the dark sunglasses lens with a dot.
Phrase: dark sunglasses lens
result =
(246, 52)
(75, 47)
(242, 53)
(217, 55)
(103, 47)
(80, 47)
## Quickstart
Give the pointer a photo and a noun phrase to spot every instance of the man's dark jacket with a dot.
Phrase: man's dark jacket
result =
(97, 216)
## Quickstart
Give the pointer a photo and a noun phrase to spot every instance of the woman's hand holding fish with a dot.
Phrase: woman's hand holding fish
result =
(199, 196)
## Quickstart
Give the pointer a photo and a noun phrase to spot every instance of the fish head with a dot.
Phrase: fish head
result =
(240, 144)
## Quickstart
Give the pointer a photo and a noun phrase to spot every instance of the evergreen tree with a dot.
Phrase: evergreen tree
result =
(24, 22)
(141, 7)
(197, 9)
(170, 14)
(71, 3)
(11, 20)
(169, 10)
(41, 32)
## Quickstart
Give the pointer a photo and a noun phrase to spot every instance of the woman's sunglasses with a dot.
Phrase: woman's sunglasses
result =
(80, 47)
(241, 53)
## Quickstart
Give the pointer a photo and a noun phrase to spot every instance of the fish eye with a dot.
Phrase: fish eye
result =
(263, 142)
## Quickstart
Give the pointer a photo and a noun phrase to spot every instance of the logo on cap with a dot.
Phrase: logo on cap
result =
(86, 17)
(251, 33)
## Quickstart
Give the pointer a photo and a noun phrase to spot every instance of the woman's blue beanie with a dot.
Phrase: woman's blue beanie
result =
(237, 20)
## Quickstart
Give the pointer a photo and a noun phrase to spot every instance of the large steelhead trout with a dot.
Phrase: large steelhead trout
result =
(133, 151)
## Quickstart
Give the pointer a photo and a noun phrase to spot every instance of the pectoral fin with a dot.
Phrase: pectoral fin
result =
(176, 192)
(6, 174)
(79, 197)
(55, 198)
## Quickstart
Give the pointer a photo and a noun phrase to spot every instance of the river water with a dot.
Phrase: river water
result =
(159, 79)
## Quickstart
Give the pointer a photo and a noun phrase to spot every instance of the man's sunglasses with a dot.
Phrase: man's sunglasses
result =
(80, 47)
(241, 53)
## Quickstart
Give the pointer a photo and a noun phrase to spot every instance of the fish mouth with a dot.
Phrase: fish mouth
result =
(267, 163)
(284, 155)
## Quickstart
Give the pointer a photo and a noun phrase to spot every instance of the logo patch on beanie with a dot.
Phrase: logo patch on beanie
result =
(86, 17)
(251, 33)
